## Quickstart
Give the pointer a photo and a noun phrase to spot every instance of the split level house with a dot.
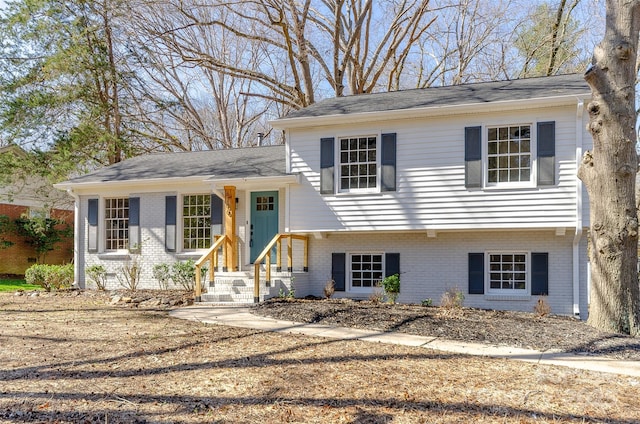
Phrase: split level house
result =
(470, 187)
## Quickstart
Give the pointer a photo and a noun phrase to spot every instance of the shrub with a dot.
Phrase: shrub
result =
(98, 274)
(42, 233)
(162, 273)
(427, 302)
(37, 275)
(130, 273)
(542, 308)
(391, 286)
(453, 298)
(183, 274)
(50, 277)
(329, 288)
(376, 297)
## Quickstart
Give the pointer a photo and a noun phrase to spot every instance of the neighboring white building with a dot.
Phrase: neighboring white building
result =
(471, 186)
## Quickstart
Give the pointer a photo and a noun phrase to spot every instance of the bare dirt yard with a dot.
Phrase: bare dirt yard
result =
(76, 358)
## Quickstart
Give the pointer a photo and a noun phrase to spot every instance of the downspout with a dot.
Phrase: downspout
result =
(578, 234)
(76, 234)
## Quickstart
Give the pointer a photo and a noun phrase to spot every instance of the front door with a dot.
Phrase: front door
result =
(264, 220)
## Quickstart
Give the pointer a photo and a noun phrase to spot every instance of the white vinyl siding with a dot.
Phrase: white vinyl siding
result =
(431, 192)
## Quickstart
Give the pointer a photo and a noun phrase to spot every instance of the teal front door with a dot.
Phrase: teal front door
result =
(264, 221)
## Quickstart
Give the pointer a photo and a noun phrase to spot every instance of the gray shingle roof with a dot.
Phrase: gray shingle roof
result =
(519, 89)
(268, 161)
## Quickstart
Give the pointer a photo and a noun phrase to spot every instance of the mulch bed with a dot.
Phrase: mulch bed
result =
(518, 329)
(81, 357)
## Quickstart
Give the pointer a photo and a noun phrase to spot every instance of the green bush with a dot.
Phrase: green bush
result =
(162, 273)
(98, 274)
(183, 274)
(391, 286)
(50, 277)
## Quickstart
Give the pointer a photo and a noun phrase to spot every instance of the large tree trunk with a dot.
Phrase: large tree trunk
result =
(609, 173)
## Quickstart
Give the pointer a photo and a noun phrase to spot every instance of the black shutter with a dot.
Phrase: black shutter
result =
(327, 185)
(546, 153)
(170, 212)
(92, 220)
(388, 160)
(134, 223)
(476, 273)
(539, 274)
(338, 266)
(391, 264)
(473, 156)
(216, 215)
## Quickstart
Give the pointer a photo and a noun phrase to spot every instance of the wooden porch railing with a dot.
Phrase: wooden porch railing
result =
(211, 256)
(266, 255)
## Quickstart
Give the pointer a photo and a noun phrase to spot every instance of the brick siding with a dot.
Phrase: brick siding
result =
(16, 259)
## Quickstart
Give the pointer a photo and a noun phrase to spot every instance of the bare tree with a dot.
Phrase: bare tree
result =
(609, 173)
(328, 46)
(186, 106)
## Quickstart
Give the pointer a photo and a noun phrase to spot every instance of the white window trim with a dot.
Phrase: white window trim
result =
(509, 293)
(338, 170)
(180, 227)
(533, 177)
(361, 290)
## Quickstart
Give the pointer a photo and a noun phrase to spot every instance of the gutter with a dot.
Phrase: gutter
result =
(578, 234)
(76, 232)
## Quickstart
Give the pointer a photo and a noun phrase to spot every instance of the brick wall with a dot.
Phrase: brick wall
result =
(17, 258)
(430, 266)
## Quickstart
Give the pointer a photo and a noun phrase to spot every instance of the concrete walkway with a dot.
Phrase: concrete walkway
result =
(241, 316)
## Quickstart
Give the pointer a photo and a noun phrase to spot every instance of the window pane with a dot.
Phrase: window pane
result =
(510, 156)
(513, 275)
(358, 161)
(116, 223)
(196, 220)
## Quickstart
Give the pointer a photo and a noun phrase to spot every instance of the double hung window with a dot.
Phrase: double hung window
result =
(509, 154)
(358, 163)
(116, 222)
(196, 221)
(513, 155)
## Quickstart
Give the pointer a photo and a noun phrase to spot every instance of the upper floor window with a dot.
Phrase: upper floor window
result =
(364, 164)
(116, 222)
(517, 155)
(509, 154)
(196, 219)
(358, 163)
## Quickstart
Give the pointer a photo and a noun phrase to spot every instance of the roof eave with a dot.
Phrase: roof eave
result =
(278, 179)
(70, 185)
(288, 123)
